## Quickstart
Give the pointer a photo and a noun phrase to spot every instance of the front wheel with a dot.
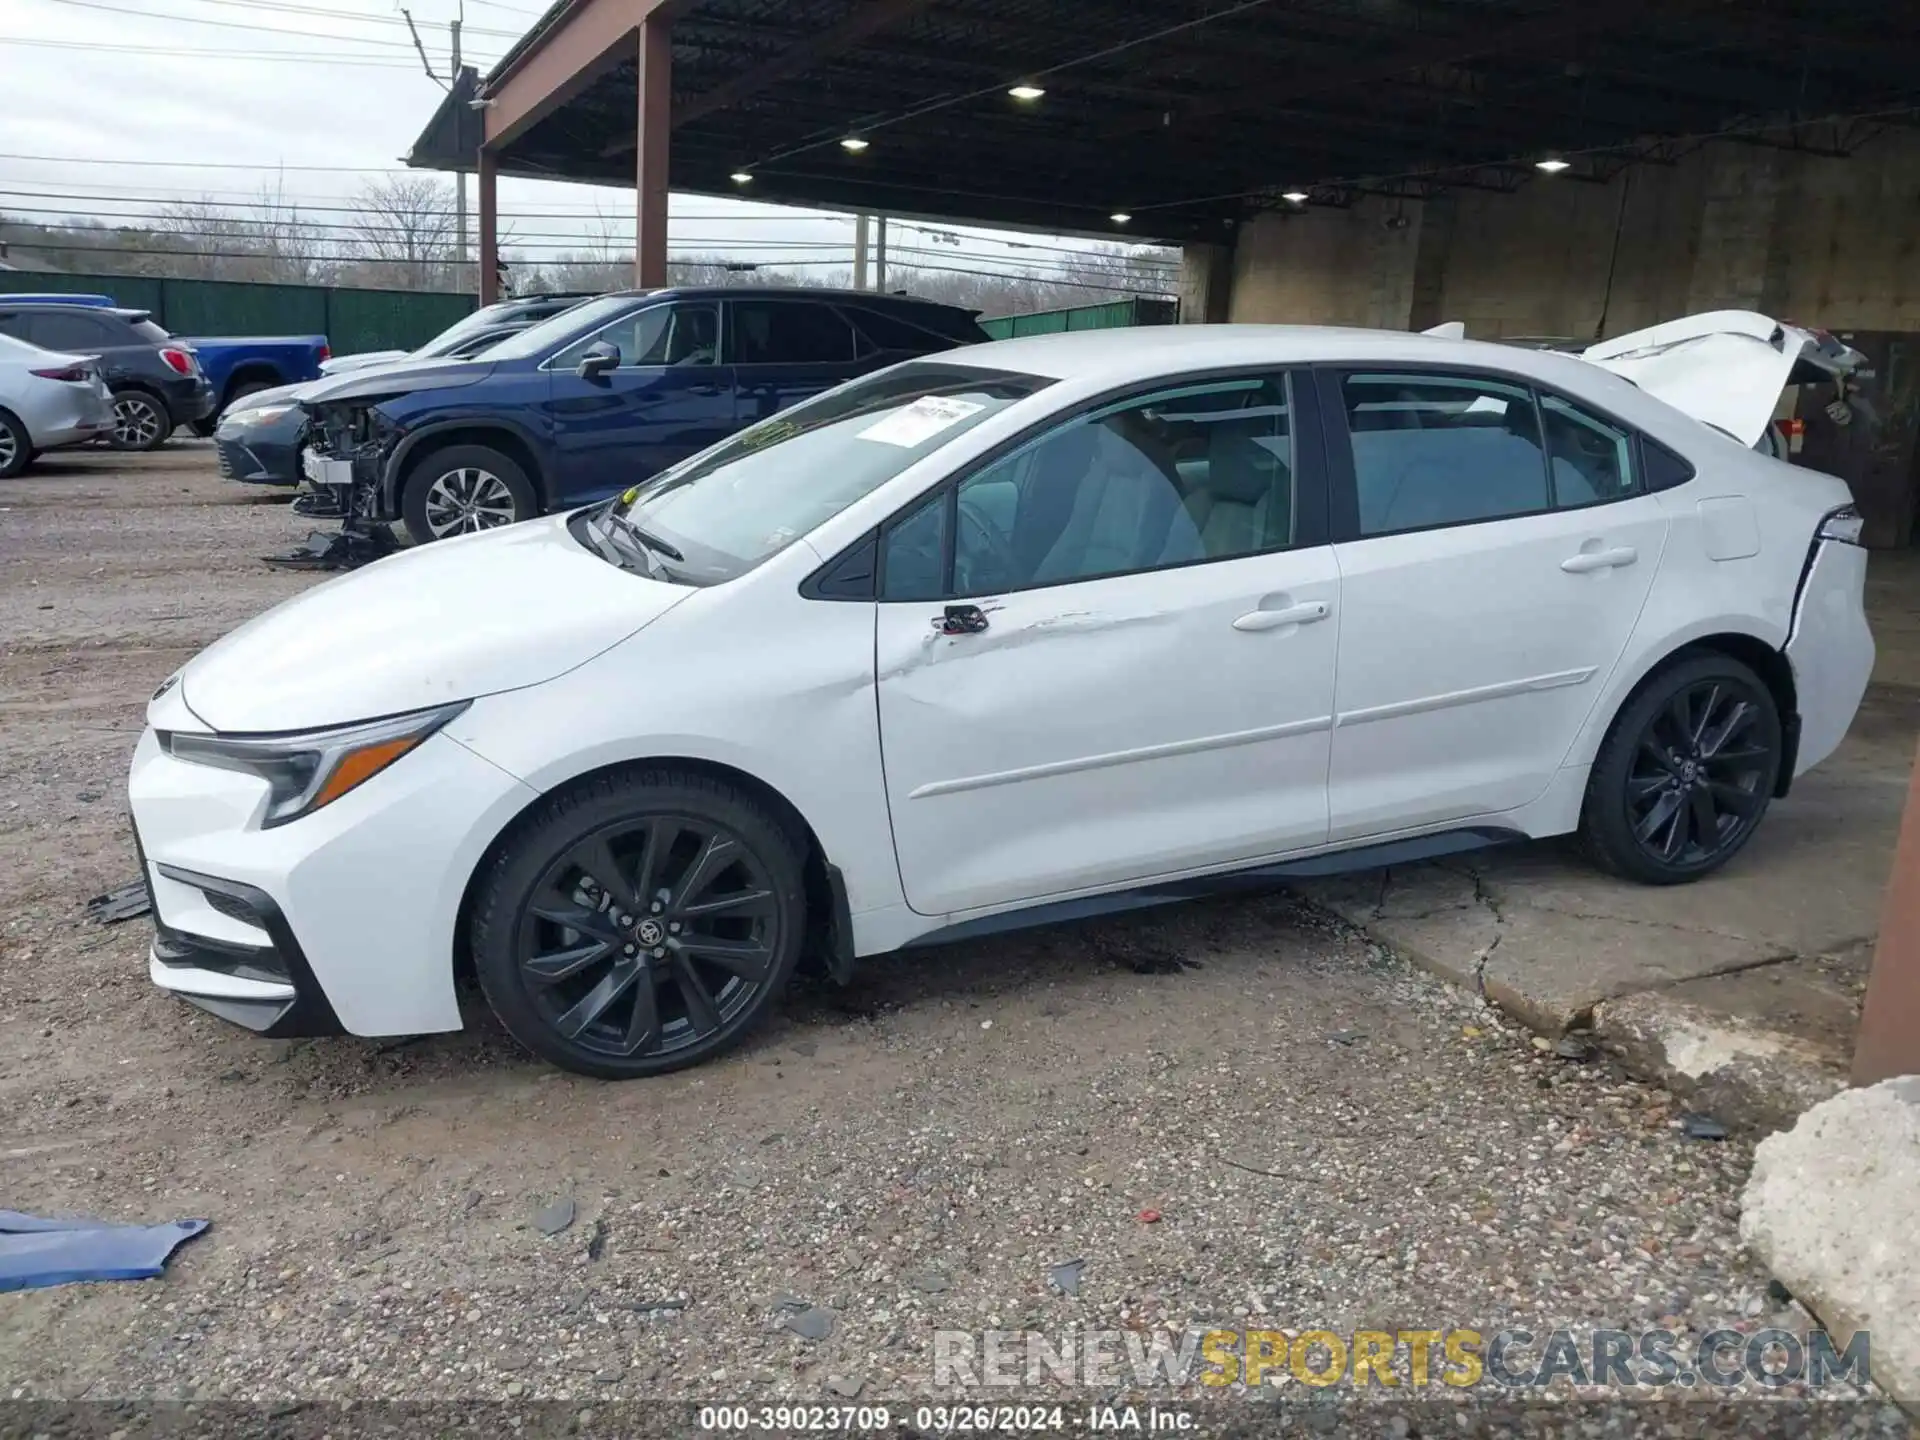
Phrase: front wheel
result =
(1685, 773)
(640, 922)
(140, 422)
(462, 490)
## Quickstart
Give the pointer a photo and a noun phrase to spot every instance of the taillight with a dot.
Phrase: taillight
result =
(1844, 525)
(326, 351)
(72, 374)
(178, 360)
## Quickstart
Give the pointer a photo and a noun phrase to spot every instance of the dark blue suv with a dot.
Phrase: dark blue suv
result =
(596, 399)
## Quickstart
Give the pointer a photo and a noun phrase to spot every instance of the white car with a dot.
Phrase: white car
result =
(1035, 629)
(47, 400)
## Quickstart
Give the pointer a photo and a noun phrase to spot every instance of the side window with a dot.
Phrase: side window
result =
(1204, 472)
(1591, 461)
(14, 325)
(686, 334)
(914, 563)
(890, 332)
(1433, 450)
(67, 332)
(789, 332)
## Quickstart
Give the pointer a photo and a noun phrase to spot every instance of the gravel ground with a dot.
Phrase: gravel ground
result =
(1235, 1113)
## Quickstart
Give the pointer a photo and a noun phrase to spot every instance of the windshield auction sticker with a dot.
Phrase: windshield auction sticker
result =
(919, 422)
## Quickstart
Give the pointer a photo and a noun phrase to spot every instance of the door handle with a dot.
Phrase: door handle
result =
(1588, 560)
(961, 620)
(1303, 614)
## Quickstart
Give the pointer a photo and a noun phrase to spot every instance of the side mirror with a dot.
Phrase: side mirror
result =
(597, 359)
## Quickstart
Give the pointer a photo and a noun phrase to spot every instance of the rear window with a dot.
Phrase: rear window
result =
(149, 332)
(892, 331)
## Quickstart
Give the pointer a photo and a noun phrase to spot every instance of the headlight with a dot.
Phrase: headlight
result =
(258, 415)
(315, 768)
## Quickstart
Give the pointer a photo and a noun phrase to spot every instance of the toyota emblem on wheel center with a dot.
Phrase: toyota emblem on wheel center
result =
(651, 932)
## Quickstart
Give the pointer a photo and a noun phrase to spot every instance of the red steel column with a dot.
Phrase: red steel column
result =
(1889, 1039)
(489, 228)
(655, 122)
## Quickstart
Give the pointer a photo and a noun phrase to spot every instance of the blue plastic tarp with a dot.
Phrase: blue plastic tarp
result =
(36, 1251)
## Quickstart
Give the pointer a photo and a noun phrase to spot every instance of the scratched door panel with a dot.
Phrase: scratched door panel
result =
(1108, 731)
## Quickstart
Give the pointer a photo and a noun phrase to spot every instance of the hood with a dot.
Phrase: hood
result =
(380, 380)
(258, 399)
(347, 364)
(453, 620)
(1725, 367)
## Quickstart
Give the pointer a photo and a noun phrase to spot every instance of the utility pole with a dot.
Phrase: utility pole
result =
(459, 176)
(880, 254)
(860, 251)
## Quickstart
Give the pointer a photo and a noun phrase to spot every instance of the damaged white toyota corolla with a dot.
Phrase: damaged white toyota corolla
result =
(1032, 630)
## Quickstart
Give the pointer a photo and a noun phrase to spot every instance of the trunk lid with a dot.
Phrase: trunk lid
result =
(1726, 368)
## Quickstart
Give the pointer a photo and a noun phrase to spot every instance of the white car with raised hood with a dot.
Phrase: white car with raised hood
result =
(1029, 630)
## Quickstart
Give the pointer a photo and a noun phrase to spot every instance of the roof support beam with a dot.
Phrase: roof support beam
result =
(583, 43)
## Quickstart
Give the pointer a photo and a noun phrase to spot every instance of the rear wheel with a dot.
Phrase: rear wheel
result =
(639, 923)
(16, 450)
(1685, 773)
(140, 422)
(462, 490)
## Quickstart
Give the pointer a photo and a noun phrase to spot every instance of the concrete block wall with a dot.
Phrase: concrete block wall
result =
(1826, 241)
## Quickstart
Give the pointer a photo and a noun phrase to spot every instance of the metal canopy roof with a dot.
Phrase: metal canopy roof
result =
(1189, 116)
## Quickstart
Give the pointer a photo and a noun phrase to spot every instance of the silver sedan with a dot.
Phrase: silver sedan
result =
(47, 400)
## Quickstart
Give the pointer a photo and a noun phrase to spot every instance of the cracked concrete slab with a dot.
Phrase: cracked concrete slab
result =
(1549, 939)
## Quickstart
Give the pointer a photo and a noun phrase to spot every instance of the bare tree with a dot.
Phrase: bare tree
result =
(264, 240)
(403, 235)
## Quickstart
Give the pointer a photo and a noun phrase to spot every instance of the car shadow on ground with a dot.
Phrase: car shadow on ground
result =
(1145, 950)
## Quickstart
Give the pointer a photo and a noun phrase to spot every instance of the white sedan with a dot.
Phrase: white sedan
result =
(47, 400)
(1036, 629)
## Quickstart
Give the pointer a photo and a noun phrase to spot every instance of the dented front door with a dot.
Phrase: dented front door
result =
(1108, 731)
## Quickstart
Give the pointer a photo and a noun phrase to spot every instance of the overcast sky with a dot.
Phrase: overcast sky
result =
(145, 101)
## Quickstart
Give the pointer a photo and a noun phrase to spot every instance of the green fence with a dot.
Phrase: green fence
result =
(352, 320)
(1114, 315)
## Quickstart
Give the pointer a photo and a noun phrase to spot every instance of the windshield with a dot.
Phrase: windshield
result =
(730, 508)
(484, 318)
(538, 340)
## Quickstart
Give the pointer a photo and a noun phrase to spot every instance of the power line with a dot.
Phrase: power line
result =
(231, 24)
(280, 7)
(360, 62)
(382, 221)
(149, 211)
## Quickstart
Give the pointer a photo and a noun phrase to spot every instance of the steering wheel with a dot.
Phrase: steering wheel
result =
(994, 569)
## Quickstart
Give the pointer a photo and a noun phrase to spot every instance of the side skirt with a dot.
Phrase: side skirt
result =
(1259, 877)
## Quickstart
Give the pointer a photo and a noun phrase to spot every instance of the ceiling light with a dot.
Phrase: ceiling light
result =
(741, 177)
(853, 144)
(1553, 164)
(1120, 217)
(1026, 92)
(1295, 197)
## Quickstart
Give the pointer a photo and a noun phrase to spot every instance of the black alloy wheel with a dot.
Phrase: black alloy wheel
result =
(640, 924)
(1686, 773)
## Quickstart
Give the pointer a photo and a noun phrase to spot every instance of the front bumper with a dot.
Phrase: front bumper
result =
(344, 919)
(267, 987)
(257, 459)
